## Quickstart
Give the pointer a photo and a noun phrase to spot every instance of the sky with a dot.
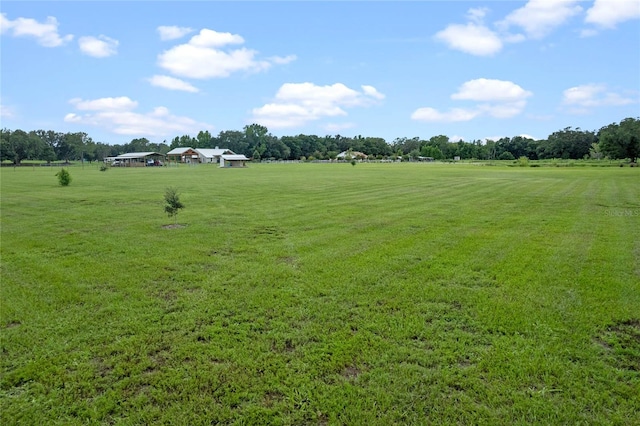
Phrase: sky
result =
(469, 70)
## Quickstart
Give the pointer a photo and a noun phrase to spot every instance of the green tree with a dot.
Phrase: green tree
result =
(172, 203)
(621, 140)
(64, 177)
(203, 140)
(16, 146)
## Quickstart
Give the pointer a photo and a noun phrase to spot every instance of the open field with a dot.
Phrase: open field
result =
(321, 294)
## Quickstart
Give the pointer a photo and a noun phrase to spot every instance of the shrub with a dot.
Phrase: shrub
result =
(523, 161)
(64, 177)
(104, 167)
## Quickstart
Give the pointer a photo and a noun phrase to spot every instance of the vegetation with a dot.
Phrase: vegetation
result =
(64, 177)
(618, 140)
(172, 202)
(321, 294)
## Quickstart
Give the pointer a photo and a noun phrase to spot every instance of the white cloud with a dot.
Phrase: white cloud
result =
(46, 34)
(172, 83)
(433, 115)
(498, 99)
(477, 14)
(98, 47)
(456, 138)
(173, 32)
(117, 115)
(371, 91)
(211, 38)
(581, 99)
(121, 103)
(296, 104)
(472, 38)
(282, 60)
(609, 13)
(484, 89)
(203, 57)
(540, 17)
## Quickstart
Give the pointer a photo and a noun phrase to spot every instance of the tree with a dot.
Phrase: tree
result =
(20, 145)
(173, 203)
(621, 140)
(203, 140)
(64, 177)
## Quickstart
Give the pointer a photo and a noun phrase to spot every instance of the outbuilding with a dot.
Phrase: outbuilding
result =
(209, 155)
(138, 159)
(233, 160)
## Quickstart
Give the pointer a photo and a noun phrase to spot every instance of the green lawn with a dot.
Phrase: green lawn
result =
(321, 294)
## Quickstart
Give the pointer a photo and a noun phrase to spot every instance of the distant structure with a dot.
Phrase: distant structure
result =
(137, 159)
(233, 160)
(357, 155)
(188, 155)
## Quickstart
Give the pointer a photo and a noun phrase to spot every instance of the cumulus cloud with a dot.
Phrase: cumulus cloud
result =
(172, 83)
(582, 99)
(46, 33)
(472, 38)
(173, 32)
(484, 89)
(540, 17)
(497, 98)
(118, 115)
(207, 55)
(98, 47)
(535, 20)
(609, 13)
(121, 103)
(296, 104)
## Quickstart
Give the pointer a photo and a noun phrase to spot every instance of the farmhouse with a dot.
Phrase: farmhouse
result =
(183, 155)
(138, 159)
(233, 160)
(207, 155)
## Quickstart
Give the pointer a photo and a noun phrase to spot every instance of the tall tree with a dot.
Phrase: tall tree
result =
(621, 140)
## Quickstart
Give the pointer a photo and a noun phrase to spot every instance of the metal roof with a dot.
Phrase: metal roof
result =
(212, 152)
(137, 155)
(181, 150)
(233, 157)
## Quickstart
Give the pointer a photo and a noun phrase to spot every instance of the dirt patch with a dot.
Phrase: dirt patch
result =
(13, 324)
(621, 341)
(351, 372)
(174, 226)
(271, 398)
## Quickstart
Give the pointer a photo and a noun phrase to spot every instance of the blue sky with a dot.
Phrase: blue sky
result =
(472, 70)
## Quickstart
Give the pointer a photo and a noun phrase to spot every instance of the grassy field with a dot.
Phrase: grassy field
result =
(321, 294)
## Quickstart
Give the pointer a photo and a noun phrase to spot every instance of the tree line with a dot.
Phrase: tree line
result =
(615, 141)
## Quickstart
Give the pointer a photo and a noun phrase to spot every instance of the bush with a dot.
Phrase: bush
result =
(104, 168)
(64, 177)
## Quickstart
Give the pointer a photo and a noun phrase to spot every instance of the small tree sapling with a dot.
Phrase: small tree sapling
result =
(173, 203)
